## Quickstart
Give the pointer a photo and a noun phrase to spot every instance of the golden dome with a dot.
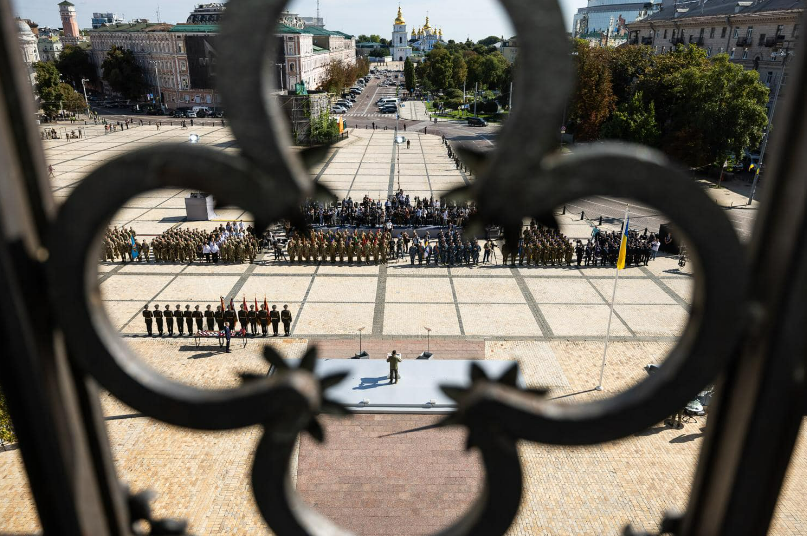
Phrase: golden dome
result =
(400, 19)
(413, 32)
(427, 24)
(440, 32)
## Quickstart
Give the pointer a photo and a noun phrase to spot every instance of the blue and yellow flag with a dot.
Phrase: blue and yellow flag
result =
(623, 246)
(134, 248)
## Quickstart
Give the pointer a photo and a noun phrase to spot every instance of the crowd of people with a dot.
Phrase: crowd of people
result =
(397, 210)
(379, 247)
(218, 321)
(540, 246)
(230, 243)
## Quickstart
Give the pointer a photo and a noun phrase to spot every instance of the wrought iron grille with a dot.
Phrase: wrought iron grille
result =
(745, 330)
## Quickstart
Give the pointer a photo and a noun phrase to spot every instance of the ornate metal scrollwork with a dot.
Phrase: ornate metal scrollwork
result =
(520, 178)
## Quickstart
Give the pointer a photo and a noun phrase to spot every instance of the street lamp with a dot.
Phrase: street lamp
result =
(87, 102)
(785, 54)
(159, 89)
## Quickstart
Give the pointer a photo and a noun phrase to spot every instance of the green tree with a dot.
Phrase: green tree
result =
(492, 70)
(459, 70)
(441, 68)
(375, 38)
(490, 40)
(593, 99)
(724, 104)
(379, 53)
(74, 64)
(409, 74)
(324, 128)
(633, 121)
(628, 64)
(363, 38)
(123, 74)
(47, 86)
(72, 100)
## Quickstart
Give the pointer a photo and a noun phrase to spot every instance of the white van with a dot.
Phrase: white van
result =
(387, 100)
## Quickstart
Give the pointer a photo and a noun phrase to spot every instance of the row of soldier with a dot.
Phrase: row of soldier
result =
(248, 318)
(182, 245)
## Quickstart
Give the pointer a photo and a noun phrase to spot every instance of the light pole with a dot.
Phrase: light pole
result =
(159, 89)
(280, 68)
(85, 96)
(786, 53)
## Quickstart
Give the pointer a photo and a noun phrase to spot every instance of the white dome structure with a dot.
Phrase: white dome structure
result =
(28, 46)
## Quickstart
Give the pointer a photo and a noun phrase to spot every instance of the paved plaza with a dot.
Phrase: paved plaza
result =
(551, 320)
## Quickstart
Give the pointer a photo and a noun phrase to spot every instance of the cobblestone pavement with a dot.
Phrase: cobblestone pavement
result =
(204, 476)
(550, 319)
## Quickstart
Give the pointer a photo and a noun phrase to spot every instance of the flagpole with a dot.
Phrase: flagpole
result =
(611, 314)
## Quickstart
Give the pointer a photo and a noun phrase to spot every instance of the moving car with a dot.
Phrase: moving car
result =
(477, 122)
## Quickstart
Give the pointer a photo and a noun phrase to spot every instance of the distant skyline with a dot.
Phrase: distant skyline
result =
(459, 19)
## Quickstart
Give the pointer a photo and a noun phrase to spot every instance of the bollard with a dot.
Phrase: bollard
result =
(564, 210)
(600, 221)
(583, 215)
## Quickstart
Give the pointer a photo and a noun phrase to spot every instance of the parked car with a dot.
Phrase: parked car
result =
(190, 114)
(389, 109)
(344, 103)
(477, 122)
(338, 110)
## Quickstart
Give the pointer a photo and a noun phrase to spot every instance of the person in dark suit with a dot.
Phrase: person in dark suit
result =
(242, 318)
(285, 317)
(263, 317)
(158, 316)
(227, 335)
(274, 317)
(209, 318)
(229, 317)
(178, 319)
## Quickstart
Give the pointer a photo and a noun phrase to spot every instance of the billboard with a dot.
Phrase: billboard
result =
(202, 60)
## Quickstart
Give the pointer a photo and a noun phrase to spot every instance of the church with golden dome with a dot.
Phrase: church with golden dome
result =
(424, 38)
(400, 49)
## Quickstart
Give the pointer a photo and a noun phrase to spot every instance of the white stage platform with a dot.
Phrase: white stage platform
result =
(367, 388)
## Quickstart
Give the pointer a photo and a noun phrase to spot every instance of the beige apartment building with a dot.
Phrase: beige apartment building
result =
(759, 35)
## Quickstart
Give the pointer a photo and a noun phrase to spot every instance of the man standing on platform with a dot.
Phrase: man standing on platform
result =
(274, 317)
(147, 316)
(209, 317)
(219, 317)
(169, 320)
(393, 361)
(285, 316)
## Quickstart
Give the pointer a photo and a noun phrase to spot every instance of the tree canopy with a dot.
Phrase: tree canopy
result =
(490, 40)
(455, 64)
(698, 110)
(74, 64)
(123, 74)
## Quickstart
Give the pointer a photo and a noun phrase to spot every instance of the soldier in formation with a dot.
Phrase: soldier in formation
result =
(231, 244)
(216, 319)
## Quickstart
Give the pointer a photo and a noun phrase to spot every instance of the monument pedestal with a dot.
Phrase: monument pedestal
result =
(200, 207)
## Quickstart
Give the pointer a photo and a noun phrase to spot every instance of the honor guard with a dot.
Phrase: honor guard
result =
(242, 317)
(148, 316)
(229, 317)
(197, 314)
(219, 317)
(178, 320)
(285, 317)
(252, 316)
(263, 318)
(169, 320)
(274, 318)
(188, 316)
(209, 318)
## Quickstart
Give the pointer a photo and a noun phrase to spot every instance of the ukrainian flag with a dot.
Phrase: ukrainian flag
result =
(623, 246)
